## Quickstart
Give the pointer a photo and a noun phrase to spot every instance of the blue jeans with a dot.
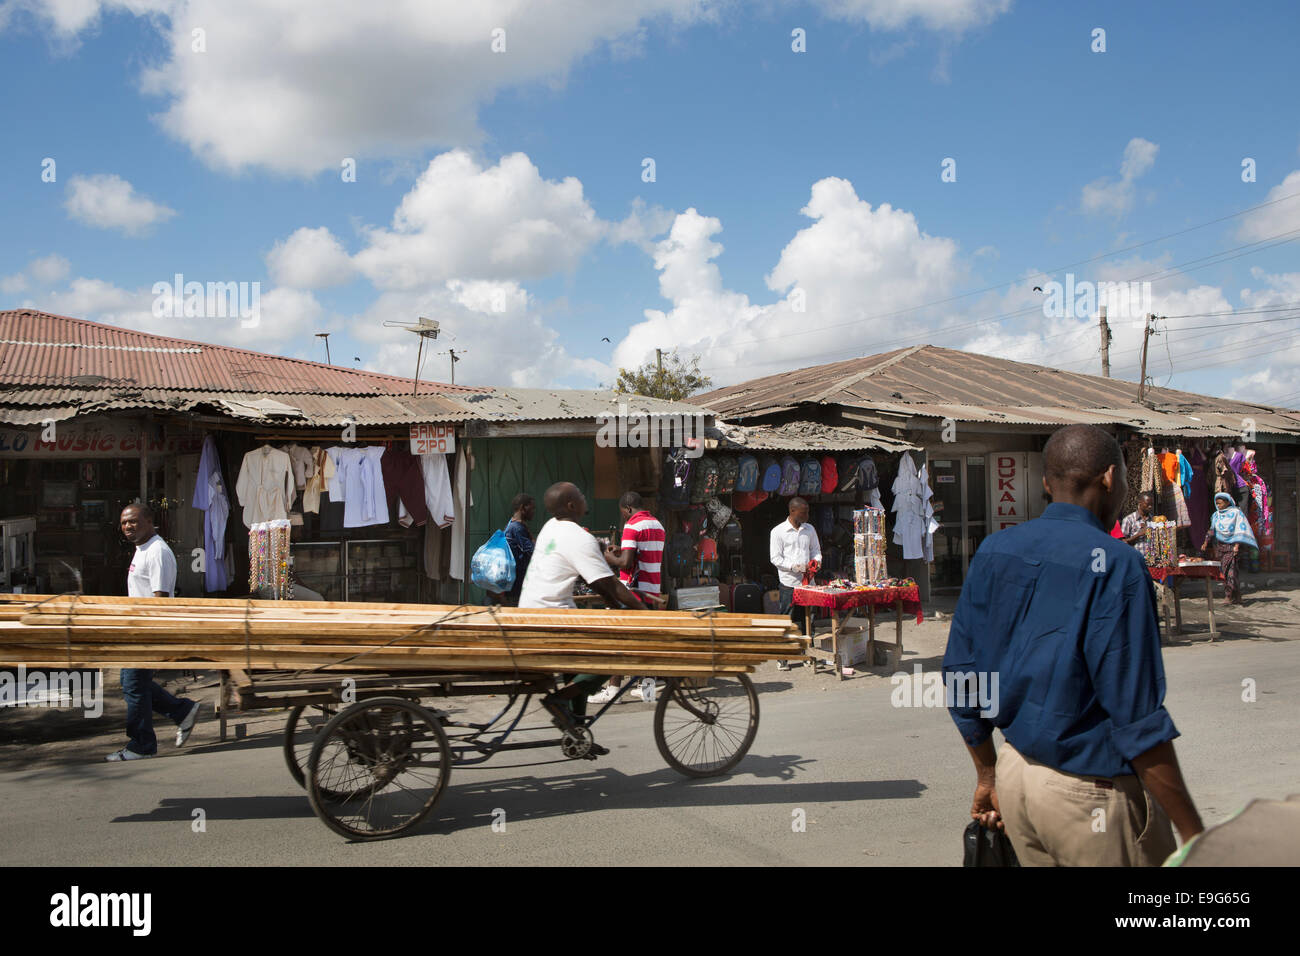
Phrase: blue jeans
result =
(797, 613)
(143, 696)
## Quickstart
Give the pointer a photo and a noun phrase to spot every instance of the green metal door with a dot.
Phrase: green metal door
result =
(506, 466)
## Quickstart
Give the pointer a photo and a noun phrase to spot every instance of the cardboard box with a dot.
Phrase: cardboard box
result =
(853, 646)
(688, 599)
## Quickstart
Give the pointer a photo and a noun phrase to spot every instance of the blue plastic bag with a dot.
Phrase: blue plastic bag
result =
(493, 566)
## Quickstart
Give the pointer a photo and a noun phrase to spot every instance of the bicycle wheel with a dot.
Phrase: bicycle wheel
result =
(300, 733)
(704, 727)
(378, 768)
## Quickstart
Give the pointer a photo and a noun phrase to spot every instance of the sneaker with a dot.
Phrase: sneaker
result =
(604, 697)
(187, 725)
(782, 666)
(125, 754)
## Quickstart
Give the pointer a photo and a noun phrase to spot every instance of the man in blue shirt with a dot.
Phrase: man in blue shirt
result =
(1062, 616)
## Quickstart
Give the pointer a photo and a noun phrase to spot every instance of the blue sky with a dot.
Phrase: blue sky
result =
(524, 224)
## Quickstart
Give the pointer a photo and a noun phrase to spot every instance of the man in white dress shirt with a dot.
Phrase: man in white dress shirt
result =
(152, 574)
(794, 550)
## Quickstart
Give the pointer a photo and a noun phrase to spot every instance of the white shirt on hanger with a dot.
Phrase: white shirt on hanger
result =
(265, 486)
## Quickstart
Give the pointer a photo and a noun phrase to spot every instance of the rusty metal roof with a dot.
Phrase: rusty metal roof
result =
(926, 381)
(804, 436)
(38, 349)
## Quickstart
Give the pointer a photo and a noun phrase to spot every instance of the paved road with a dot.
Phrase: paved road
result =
(878, 785)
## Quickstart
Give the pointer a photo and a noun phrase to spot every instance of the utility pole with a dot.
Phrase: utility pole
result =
(454, 359)
(659, 359)
(1105, 345)
(1146, 335)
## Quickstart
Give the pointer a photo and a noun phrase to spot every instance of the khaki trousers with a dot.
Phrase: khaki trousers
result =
(1060, 819)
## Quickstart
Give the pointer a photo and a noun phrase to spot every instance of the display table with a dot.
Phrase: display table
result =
(1210, 571)
(842, 601)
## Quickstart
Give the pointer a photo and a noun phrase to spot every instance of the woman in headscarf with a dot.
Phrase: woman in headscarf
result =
(1229, 530)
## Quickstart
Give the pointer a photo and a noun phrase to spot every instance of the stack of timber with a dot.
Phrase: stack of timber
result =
(93, 631)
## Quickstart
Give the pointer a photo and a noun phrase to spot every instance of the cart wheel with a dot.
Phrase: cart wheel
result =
(300, 732)
(377, 768)
(705, 726)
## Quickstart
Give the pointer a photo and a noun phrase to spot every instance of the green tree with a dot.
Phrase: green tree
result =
(673, 382)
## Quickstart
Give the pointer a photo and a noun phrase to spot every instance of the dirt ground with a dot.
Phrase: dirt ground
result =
(40, 737)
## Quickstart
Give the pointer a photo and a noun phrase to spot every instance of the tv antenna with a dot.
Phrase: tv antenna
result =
(425, 329)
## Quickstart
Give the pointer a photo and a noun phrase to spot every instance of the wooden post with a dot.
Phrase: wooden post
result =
(1105, 345)
(1146, 335)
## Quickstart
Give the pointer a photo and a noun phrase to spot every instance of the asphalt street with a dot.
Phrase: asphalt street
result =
(875, 784)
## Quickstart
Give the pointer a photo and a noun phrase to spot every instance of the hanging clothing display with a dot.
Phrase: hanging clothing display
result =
(1153, 477)
(1259, 514)
(1184, 474)
(463, 501)
(364, 501)
(1222, 481)
(438, 497)
(268, 558)
(914, 523)
(265, 485)
(1134, 456)
(1198, 502)
(210, 498)
(404, 486)
(300, 459)
(322, 470)
(1172, 503)
(334, 484)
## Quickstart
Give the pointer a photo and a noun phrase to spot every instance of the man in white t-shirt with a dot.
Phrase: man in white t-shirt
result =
(563, 552)
(152, 574)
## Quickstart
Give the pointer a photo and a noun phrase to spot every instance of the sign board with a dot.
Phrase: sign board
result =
(946, 479)
(1008, 482)
(433, 439)
(96, 438)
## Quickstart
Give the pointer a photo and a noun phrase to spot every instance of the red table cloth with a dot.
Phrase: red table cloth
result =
(843, 600)
(1190, 571)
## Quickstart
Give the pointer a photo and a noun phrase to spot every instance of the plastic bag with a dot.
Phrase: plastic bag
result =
(493, 566)
(984, 847)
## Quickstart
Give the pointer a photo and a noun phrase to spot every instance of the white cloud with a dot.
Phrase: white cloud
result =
(310, 259)
(1280, 217)
(13, 283)
(297, 87)
(498, 337)
(106, 201)
(942, 15)
(463, 220)
(49, 269)
(853, 262)
(1115, 197)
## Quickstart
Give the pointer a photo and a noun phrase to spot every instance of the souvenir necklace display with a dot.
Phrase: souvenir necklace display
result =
(268, 559)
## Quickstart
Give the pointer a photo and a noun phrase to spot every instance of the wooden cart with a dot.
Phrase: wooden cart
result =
(374, 754)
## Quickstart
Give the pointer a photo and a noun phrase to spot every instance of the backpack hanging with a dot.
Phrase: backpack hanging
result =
(747, 473)
(810, 477)
(680, 555)
(830, 475)
(730, 537)
(705, 484)
(728, 472)
(789, 477)
(867, 473)
(677, 480)
(771, 475)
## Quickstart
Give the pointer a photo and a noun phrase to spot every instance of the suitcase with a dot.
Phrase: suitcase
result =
(747, 598)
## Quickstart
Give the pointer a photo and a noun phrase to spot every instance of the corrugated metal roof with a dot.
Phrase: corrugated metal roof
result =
(502, 405)
(926, 381)
(40, 349)
(804, 436)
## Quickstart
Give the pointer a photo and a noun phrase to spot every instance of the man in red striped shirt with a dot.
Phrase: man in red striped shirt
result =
(638, 562)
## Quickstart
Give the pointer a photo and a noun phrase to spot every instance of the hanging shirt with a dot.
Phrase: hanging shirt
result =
(322, 472)
(914, 523)
(302, 463)
(404, 485)
(153, 568)
(364, 502)
(210, 498)
(265, 485)
(437, 489)
(335, 483)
